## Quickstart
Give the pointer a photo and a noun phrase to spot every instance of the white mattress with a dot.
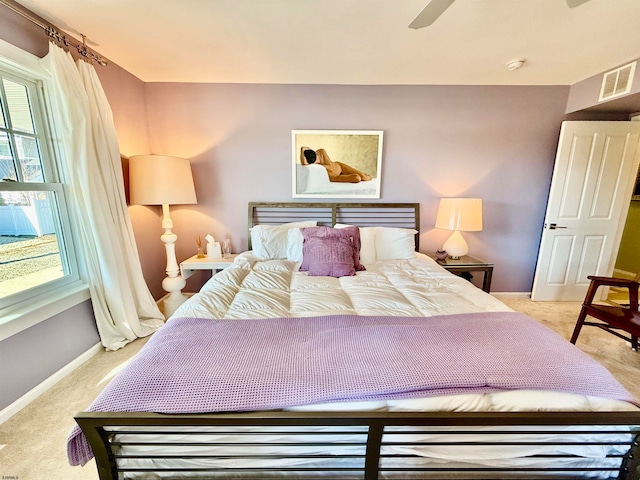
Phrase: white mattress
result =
(425, 455)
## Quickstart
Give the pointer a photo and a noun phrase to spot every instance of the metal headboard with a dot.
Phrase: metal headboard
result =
(400, 215)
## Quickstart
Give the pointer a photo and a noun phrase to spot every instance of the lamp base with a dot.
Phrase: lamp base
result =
(173, 283)
(456, 246)
(171, 302)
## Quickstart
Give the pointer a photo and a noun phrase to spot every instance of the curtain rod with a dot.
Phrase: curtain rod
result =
(55, 35)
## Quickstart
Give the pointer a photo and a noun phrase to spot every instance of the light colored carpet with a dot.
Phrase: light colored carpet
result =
(34, 438)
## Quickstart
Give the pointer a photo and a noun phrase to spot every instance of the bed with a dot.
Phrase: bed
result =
(403, 356)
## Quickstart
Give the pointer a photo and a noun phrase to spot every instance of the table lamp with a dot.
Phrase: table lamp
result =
(164, 180)
(459, 214)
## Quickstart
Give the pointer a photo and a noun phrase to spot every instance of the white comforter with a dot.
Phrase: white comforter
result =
(251, 288)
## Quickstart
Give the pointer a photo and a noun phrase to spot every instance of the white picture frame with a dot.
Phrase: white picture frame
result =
(340, 157)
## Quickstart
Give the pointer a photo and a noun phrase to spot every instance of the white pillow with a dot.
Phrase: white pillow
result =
(385, 243)
(367, 243)
(294, 244)
(395, 243)
(271, 242)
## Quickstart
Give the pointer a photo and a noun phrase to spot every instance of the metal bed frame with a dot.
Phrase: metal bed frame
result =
(399, 215)
(100, 428)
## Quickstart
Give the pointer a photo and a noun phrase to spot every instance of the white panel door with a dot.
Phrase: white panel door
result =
(593, 179)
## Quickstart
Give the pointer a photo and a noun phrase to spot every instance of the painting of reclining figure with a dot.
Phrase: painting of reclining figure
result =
(336, 163)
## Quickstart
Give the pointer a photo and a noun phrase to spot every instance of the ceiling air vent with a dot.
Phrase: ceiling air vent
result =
(617, 82)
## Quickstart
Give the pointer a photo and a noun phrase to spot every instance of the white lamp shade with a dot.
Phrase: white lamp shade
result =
(464, 214)
(160, 180)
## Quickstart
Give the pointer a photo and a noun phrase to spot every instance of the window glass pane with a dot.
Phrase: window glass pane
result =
(7, 167)
(30, 254)
(29, 156)
(37, 254)
(19, 108)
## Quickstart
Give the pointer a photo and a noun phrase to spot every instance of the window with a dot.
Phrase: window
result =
(36, 248)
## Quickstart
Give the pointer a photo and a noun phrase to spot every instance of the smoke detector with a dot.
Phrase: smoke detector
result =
(515, 64)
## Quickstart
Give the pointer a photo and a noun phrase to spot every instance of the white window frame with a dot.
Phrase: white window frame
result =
(40, 303)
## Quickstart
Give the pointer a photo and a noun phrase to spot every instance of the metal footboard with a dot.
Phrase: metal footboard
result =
(362, 445)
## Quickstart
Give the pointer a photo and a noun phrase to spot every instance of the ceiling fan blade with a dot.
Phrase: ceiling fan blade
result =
(575, 3)
(431, 12)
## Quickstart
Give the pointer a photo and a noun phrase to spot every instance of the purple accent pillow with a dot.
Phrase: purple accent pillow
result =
(331, 252)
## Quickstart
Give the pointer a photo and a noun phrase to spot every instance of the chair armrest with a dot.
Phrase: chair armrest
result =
(613, 282)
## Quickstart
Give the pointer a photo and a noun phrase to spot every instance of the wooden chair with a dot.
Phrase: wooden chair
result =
(612, 318)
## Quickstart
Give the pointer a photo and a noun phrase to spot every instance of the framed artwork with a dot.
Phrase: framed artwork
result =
(336, 163)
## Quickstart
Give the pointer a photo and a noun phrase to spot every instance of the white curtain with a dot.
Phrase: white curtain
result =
(123, 306)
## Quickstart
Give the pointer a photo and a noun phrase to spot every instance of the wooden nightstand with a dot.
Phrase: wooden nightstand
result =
(190, 265)
(466, 264)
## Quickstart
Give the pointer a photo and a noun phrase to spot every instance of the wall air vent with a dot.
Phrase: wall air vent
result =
(617, 82)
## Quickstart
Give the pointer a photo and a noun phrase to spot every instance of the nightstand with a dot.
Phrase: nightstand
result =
(190, 265)
(466, 264)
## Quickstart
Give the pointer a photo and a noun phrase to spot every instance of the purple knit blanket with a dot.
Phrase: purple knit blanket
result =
(198, 365)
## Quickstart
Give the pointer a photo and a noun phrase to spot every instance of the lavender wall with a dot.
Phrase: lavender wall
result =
(497, 143)
(31, 356)
(22, 33)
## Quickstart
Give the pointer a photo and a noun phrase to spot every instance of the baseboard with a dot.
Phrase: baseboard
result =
(513, 294)
(9, 411)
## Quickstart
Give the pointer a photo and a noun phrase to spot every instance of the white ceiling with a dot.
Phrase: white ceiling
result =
(353, 41)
